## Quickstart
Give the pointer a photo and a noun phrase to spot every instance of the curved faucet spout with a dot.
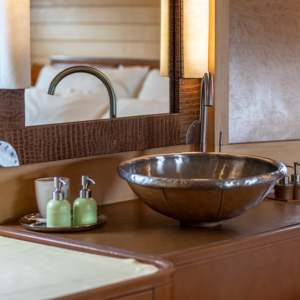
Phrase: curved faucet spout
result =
(207, 99)
(92, 71)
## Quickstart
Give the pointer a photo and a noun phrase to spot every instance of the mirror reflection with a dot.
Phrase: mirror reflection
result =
(121, 38)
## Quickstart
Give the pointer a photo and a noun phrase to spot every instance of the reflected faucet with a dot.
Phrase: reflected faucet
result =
(207, 99)
(92, 71)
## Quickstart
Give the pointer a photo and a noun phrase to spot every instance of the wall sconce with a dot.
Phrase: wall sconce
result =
(14, 44)
(195, 37)
(164, 37)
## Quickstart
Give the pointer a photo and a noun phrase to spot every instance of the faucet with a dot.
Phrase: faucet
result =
(196, 133)
(92, 71)
(207, 99)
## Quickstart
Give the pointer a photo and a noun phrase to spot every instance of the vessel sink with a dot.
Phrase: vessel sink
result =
(201, 189)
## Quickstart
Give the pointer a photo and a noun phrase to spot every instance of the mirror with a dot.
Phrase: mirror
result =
(121, 38)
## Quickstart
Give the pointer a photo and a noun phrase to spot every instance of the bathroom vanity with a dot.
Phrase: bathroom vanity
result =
(254, 256)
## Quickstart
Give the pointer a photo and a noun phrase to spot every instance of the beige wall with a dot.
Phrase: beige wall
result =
(17, 195)
(95, 28)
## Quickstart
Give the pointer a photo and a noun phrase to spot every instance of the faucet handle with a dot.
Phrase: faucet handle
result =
(207, 89)
(85, 182)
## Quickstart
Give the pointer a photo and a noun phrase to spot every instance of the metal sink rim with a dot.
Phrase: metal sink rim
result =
(202, 184)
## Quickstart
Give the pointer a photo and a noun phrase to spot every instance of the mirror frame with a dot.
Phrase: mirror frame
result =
(47, 143)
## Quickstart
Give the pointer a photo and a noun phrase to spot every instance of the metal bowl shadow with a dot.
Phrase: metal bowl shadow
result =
(201, 189)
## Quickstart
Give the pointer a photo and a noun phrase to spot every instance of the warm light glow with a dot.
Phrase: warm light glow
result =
(195, 23)
(14, 44)
(164, 40)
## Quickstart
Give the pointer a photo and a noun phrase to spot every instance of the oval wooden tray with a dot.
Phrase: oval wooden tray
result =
(32, 224)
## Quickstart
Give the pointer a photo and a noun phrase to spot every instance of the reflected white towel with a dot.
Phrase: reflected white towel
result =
(135, 107)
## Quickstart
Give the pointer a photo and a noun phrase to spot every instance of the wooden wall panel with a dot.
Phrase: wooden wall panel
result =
(118, 29)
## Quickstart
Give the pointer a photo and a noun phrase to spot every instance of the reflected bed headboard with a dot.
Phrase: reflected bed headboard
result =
(69, 61)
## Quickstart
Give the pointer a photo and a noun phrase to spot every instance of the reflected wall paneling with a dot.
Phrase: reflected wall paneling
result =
(114, 29)
(73, 140)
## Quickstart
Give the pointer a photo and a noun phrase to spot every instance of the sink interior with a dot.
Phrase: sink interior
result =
(200, 167)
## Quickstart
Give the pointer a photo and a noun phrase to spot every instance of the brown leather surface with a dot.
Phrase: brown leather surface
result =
(83, 139)
(12, 110)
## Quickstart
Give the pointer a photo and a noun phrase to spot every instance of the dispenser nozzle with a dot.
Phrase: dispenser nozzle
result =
(85, 182)
(295, 176)
(58, 194)
(58, 182)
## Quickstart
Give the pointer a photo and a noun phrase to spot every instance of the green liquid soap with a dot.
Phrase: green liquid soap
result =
(84, 212)
(58, 213)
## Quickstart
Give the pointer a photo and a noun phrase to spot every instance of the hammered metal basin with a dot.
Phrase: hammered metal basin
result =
(201, 189)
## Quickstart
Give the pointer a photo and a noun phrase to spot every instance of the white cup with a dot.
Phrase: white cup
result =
(44, 188)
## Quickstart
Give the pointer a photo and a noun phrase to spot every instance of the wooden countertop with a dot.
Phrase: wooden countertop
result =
(133, 226)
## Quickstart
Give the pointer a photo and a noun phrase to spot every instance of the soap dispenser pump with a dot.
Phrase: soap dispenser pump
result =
(58, 209)
(296, 182)
(85, 207)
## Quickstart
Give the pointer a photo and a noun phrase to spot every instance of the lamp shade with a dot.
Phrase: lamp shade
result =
(164, 38)
(195, 37)
(14, 44)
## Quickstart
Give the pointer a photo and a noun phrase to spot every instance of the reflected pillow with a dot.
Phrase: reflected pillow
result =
(42, 109)
(126, 81)
(155, 87)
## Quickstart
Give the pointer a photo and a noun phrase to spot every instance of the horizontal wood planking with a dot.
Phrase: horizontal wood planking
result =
(125, 29)
(96, 49)
(96, 32)
(120, 15)
(94, 2)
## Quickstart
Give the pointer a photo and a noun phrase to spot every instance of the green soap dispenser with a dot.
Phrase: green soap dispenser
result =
(85, 207)
(58, 209)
